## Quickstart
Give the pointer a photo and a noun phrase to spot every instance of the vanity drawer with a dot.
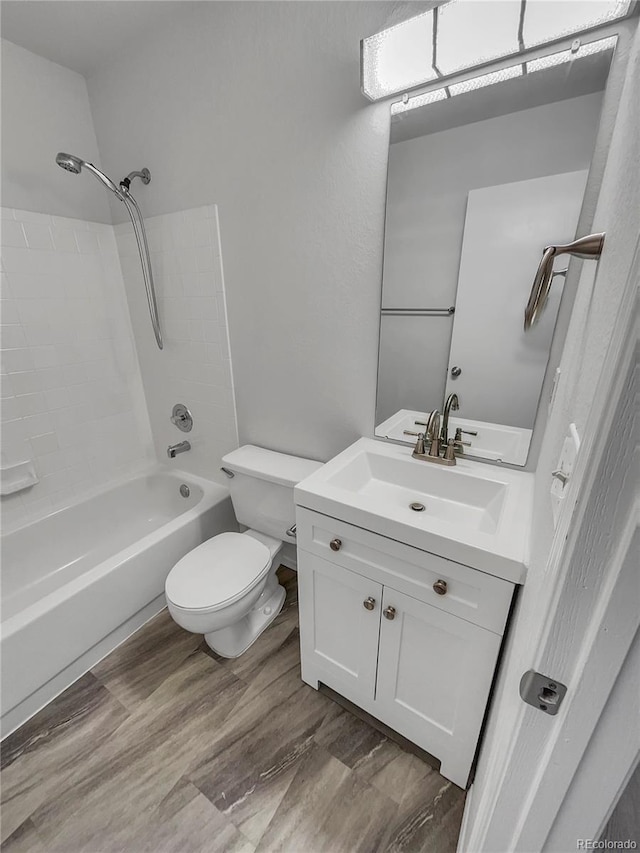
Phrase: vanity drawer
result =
(471, 594)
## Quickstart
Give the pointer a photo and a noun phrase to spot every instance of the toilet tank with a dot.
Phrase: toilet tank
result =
(262, 487)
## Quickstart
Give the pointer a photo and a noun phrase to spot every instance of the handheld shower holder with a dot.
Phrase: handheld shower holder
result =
(143, 174)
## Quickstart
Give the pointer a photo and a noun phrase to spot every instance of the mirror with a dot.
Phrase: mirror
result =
(480, 180)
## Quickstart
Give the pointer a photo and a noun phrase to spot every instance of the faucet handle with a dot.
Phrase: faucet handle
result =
(450, 452)
(458, 438)
(419, 448)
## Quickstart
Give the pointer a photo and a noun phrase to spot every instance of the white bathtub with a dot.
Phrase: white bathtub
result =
(78, 582)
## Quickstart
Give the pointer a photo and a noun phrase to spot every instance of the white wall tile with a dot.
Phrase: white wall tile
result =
(72, 394)
(12, 234)
(194, 367)
(38, 235)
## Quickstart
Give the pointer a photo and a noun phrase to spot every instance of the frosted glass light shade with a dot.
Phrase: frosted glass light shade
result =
(503, 74)
(472, 32)
(545, 21)
(419, 101)
(398, 58)
(569, 55)
(489, 79)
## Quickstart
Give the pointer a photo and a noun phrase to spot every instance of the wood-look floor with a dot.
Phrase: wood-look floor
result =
(165, 747)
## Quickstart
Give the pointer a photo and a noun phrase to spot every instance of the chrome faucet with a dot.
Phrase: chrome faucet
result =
(452, 404)
(174, 449)
(433, 436)
(433, 433)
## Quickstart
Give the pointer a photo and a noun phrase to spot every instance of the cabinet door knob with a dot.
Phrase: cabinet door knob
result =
(440, 587)
(389, 612)
(335, 544)
(369, 603)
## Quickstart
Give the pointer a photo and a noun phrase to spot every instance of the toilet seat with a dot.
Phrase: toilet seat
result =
(217, 573)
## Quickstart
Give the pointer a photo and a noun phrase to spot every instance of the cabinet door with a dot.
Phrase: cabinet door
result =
(339, 627)
(434, 676)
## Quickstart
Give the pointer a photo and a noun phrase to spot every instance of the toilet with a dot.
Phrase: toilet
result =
(227, 587)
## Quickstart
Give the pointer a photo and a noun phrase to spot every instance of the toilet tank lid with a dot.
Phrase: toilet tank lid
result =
(268, 465)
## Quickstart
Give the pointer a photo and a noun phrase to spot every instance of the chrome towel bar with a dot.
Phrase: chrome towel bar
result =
(418, 312)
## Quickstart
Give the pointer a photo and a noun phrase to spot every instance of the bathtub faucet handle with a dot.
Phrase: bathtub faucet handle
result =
(181, 447)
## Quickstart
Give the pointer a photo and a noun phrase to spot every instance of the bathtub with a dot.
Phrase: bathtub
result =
(76, 583)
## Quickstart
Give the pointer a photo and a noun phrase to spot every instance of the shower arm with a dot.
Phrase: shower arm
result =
(143, 248)
(589, 247)
(143, 174)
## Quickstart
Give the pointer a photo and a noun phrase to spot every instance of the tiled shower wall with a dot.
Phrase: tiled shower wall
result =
(194, 367)
(72, 394)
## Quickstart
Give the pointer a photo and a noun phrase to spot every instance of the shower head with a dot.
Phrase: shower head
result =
(584, 247)
(69, 162)
(75, 165)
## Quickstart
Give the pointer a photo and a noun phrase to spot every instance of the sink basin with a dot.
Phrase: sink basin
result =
(473, 513)
(448, 495)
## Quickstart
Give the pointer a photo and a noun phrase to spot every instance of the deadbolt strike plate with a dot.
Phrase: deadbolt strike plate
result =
(545, 694)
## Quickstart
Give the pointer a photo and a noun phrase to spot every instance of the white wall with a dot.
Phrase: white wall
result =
(194, 368)
(430, 178)
(256, 107)
(45, 109)
(598, 302)
(72, 396)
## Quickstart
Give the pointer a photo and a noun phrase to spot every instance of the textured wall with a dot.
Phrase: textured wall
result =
(45, 109)
(256, 107)
(194, 367)
(72, 395)
(598, 302)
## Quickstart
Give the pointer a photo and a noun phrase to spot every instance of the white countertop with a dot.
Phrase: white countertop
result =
(481, 516)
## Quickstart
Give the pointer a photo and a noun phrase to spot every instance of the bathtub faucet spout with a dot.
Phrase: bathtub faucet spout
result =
(181, 447)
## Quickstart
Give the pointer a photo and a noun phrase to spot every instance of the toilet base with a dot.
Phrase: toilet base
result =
(234, 640)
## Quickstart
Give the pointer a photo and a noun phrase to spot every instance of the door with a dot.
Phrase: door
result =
(506, 229)
(339, 627)
(434, 675)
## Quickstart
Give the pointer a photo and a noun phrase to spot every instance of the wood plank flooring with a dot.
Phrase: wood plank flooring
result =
(166, 747)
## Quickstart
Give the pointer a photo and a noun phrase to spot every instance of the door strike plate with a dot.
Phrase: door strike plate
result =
(545, 694)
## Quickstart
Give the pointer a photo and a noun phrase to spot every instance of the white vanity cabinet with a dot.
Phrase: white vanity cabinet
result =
(410, 637)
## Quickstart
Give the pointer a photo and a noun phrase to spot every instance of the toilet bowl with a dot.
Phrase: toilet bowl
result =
(227, 588)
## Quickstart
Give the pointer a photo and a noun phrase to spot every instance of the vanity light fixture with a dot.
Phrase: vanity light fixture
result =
(471, 33)
(483, 80)
(398, 58)
(462, 34)
(576, 51)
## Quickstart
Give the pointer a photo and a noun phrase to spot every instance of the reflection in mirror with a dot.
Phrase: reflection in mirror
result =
(480, 181)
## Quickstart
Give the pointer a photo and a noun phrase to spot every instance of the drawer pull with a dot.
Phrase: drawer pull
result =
(369, 603)
(440, 587)
(335, 544)
(389, 612)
